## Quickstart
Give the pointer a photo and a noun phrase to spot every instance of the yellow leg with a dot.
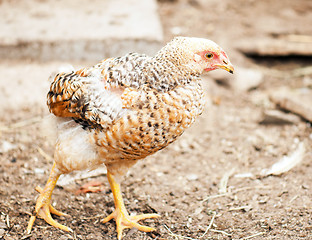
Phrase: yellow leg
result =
(43, 207)
(121, 216)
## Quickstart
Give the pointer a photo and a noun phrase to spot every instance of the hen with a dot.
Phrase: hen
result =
(122, 110)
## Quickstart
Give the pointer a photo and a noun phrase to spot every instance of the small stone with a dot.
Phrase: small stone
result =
(198, 211)
(63, 237)
(246, 79)
(278, 117)
(176, 30)
(7, 146)
(305, 186)
(192, 177)
(297, 101)
(39, 171)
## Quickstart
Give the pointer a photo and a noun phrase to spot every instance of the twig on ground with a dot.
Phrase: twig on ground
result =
(44, 154)
(177, 236)
(220, 231)
(252, 236)
(26, 236)
(293, 199)
(224, 181)
(235, 191)
(209, 226)
(7, 221)
(239, 208)
(9, 225)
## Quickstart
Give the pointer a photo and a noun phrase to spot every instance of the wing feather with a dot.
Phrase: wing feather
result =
(84, 96)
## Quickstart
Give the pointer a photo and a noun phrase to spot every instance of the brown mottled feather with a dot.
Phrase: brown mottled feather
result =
(63, 97)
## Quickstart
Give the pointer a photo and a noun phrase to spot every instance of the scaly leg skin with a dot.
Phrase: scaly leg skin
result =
(121, 216)
(43, 207)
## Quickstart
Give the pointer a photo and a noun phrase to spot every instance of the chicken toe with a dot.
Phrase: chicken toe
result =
(43, 207)
(122, 218)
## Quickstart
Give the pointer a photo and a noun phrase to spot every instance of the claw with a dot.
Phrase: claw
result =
(51, 208)
(43, 207)
(45, 213)
(120, 214)
(124, 221)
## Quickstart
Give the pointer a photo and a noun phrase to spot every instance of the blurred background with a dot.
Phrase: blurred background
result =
(221, 171)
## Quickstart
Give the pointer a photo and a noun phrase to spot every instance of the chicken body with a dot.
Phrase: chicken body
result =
(119, 120)
(124, 109)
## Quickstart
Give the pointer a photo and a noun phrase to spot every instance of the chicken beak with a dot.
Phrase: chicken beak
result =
(228, 67)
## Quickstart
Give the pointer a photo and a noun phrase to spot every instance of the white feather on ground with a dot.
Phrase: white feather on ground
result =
(78, 175)
(287, 162)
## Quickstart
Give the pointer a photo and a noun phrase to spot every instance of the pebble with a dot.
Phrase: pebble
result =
(297, 101)
(246, 79)
(39, 171)
(198, 211)
(176, 30)
(63, 237)
(7, 146)
(278, 117)
(192, 177)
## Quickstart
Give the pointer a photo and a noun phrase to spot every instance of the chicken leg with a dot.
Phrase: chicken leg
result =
(121, 216)
(43, 207)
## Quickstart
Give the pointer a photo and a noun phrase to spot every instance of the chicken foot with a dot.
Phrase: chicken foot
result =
(121, 216)
(43, 207)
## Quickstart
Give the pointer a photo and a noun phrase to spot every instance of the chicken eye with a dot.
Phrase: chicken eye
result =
(209, 55)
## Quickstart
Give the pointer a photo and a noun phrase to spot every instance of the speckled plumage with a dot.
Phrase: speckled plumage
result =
(122, 110)
(130, 106)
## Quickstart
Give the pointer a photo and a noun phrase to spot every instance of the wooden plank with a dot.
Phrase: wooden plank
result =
(296, 45)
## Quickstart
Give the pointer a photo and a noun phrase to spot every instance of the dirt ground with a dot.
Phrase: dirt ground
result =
(182, 182)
